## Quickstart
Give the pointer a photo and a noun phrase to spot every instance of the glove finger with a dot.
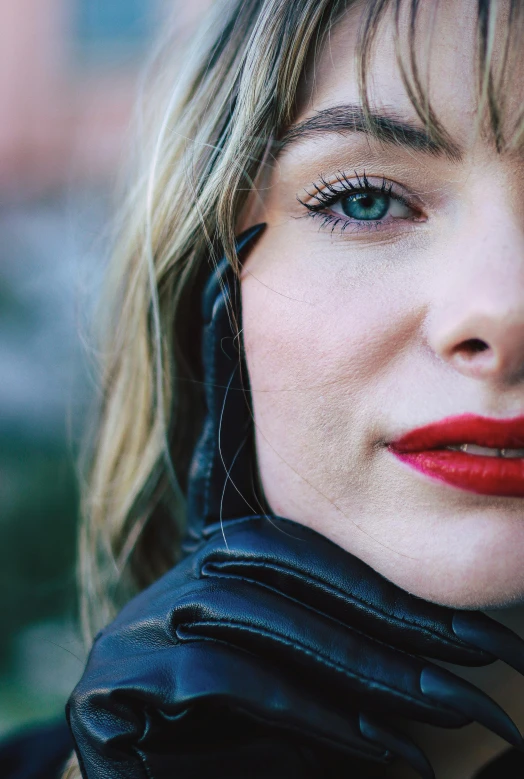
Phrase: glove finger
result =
(290, 706)
(306, 565)
(210, 675)
(336, 658)
(220, 481)
(200, 673)
(398, 743)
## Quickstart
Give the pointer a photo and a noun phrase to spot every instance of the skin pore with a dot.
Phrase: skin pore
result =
(360, 330)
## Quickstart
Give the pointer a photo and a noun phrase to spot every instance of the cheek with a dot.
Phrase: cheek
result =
(333, 361)
(314, 358)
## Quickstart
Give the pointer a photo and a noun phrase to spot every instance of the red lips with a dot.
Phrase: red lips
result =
(424, 449)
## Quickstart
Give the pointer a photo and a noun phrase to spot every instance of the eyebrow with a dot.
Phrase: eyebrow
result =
(385, 126)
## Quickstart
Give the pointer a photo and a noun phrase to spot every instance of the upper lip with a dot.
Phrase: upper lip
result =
(464, 429)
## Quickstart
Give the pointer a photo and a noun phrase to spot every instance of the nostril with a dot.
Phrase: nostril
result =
(471, 347)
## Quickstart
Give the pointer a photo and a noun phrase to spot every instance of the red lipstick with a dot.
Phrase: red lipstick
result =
(491, 473)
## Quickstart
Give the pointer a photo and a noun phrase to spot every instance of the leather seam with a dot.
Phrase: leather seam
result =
(142, 759)
(352, 628)
(340, 593)
(317, 656)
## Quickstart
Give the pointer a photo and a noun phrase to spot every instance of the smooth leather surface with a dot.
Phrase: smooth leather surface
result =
(268, 649)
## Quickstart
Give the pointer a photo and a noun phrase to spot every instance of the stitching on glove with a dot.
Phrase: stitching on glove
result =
(371, 606)
(351, 596)
(142, 758)
(316, 611)
(315, 655)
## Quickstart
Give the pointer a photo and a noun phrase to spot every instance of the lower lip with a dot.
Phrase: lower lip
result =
(475, 473)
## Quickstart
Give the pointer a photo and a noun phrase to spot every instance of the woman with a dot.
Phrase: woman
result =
(360, 438)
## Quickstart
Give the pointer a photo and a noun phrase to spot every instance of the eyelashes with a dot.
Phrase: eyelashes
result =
(359, 204)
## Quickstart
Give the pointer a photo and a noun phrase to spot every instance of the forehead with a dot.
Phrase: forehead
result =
(446, 52)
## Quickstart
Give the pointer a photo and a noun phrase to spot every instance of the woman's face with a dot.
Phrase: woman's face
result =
(390, 298)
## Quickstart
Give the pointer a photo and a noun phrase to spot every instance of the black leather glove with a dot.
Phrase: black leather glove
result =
(269, 651)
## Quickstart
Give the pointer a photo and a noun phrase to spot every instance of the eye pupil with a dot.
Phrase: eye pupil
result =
(366, 205)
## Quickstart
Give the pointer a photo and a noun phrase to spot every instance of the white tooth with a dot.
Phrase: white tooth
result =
(512, 452)
(483, 451)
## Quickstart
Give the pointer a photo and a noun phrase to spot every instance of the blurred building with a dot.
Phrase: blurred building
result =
(67, 80)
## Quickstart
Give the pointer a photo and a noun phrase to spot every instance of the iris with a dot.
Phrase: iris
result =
(366, 205)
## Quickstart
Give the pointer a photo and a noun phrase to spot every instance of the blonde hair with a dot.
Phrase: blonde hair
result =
(208, 138)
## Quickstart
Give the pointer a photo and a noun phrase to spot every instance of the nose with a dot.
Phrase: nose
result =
(476, 323)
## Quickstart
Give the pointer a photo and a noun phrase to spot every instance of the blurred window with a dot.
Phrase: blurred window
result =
(113, 30)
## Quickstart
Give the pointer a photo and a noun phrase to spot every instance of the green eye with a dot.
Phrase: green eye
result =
(366, 205)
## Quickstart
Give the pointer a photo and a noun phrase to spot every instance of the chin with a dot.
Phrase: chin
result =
(472, 562)
(485, 580)
(478, 594)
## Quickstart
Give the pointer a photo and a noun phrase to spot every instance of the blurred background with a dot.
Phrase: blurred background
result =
(68, 81)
